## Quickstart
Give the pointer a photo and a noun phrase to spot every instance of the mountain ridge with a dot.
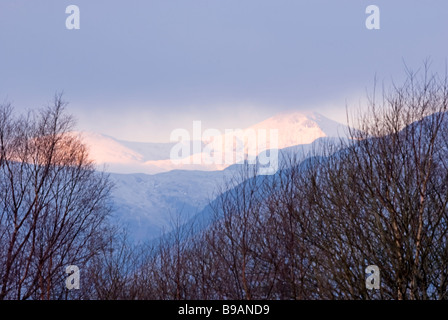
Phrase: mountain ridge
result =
(128, 157)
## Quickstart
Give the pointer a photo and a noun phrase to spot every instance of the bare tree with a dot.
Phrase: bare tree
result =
(53, 204)
(383, 199)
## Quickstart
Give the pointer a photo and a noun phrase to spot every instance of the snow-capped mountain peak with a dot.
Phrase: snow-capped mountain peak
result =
(287, 128)
(295, 128)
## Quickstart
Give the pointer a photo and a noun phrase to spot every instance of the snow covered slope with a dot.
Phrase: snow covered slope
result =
(149, 204)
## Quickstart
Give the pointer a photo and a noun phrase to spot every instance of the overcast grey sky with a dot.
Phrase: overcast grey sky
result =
(138, 69)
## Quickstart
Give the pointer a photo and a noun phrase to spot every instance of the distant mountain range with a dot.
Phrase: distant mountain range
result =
(295, 128)
(151, 191)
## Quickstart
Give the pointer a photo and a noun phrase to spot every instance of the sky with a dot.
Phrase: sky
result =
(138, 69)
